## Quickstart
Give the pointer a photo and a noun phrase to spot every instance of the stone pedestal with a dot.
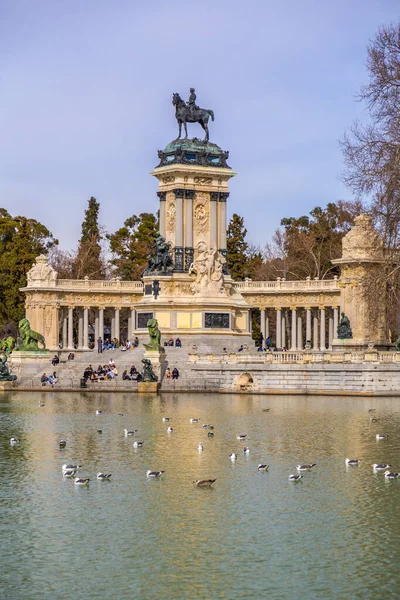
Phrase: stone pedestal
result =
(6, 386)
(27, 364)
(148, 387)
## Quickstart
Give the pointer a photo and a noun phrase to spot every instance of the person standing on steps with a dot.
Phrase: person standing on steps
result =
(99, 345)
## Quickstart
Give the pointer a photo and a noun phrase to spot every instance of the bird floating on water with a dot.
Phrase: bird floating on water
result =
(374, 420)
(305, 467)
(391, 475)
(99, 431)
(262, 467)
(200, 447)
(246, 450)
(233, 456)
(194, 420)
(205, 426)
(295, 477)
(14, 441)
(120, 414)
(154, 473)
(63, 443)
(242, 436)
(266, 409)
(137, 444)
(380, 436)
(81, 480)
(211, 427)
(352, 461)
(69, 472)
(169, 429)
(380, 467)
(98, 412)
(210, 434)
(372, 410)
(204, 482)
(67, 467)
(131, 432)
(103, 476)
(166, 419)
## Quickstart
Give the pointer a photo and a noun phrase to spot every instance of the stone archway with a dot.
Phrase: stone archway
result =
(244, 382)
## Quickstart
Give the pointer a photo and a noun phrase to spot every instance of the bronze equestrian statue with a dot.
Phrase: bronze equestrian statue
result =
(191, 113)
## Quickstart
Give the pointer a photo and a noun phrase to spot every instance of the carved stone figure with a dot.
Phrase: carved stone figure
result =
(41, 274)
(208, 268)
(30, 340)
(155, 335)
(344, 330)
(5, 374)
(7, 344)
(191, 113)
(147, 371)
(161, 259)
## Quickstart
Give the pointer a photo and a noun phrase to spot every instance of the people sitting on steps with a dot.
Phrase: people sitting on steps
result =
(175, 373)
(55, 361)
(178, 343)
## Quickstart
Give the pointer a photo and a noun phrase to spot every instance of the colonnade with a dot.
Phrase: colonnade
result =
(184, 216)
(320, 327)
(73, 315)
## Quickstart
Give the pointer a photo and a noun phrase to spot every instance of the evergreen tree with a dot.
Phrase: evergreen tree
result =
(21, 241)
(88, 260)
(132, 244)
(237, 247)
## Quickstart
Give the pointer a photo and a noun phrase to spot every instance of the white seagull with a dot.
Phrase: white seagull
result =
(204, 482)
(380, 467)
(352, 461)
(246, 450)
(98, 412)
(380, 436)
(262, 467)
(14, 441)
(295, 477)
(67, 467)
(63, 443)
(154, 473)
(233, 456)
(81, 480)
(103, 476)
(242, 436)
(194, 420)
(131, 432)
(166, 419)
(137, 444)
(200, 447)
(305, 467)
(391, 475)
(169, 429)
(69, 472)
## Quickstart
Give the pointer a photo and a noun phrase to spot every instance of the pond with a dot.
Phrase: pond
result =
(334, 534)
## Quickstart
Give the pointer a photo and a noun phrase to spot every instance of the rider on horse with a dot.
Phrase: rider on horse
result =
(192, 102)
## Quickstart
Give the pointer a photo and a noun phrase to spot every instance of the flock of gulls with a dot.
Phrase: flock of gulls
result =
(70, 470)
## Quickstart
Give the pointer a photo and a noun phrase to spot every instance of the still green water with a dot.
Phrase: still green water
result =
(335, 534)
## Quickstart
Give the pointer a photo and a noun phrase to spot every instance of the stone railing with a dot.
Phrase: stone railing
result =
(299, 357)
(106, 284)
(282, 284)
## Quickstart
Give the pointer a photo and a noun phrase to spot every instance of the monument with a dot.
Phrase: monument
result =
(153, 361)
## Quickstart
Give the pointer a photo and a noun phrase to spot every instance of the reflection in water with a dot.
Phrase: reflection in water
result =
(253, 534)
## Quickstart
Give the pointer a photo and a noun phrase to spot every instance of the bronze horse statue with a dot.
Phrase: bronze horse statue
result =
(183, 115)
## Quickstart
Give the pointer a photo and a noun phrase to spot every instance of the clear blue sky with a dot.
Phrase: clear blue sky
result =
(86, 86)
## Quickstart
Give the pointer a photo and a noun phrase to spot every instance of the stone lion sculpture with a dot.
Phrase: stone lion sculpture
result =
(155, 335)
(30, 339)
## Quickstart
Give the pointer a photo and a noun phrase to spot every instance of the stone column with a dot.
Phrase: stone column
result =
(96, 327)
(179, 229)
(278, 341)
(293, 345)
(189, 252)
(335, 321)
(133, 322)
(116, 324)
(162, 196)
(101, 323)
(213, 220)
(315, 330)
(71, 327)
(266, 324)
(80, 329)
(299, 333)
(322, 331)
(283, 331)
(65, 329)
(223, 196)
(262, 322)
(112, 327)
(85, 328)
(330, 328)
(308, 325)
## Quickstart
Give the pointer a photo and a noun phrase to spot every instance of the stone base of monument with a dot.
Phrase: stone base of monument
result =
(26, 364)
(148, 387)
(352, 345)
(157, 358)
(6, 386)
